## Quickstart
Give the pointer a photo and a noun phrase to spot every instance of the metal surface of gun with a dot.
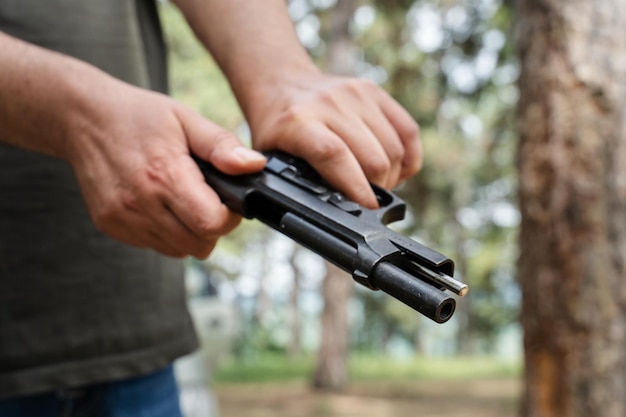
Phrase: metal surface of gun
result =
(291, 197)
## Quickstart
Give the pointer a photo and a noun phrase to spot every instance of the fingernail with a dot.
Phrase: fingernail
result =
(248, 155)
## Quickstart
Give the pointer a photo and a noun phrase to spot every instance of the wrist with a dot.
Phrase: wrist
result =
(257, 95)
(86, 90)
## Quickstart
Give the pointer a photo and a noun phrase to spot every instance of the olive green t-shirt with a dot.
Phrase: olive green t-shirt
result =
(75, 306)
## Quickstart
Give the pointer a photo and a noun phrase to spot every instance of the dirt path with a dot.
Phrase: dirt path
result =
(479, 398)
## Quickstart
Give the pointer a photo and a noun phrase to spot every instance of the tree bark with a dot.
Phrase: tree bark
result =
(341, 51)
(572, 166)
(332, 364)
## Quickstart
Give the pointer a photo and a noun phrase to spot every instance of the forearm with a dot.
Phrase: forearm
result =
(253, 41)
(40, 96)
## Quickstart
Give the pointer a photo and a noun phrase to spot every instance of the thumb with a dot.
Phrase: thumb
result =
(216, 145)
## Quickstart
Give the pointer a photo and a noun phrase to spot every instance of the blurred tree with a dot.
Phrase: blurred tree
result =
(294, 348)
(331, 370)
(195, 78)
(572, 163)
(332, 362)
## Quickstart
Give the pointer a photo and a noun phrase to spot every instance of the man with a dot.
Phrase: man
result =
(98, 193)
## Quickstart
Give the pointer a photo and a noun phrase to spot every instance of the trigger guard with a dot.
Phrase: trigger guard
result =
(392, 208)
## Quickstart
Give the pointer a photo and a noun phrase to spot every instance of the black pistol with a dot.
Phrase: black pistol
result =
(291, 197)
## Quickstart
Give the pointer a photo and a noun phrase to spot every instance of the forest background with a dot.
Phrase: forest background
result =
(454, 66)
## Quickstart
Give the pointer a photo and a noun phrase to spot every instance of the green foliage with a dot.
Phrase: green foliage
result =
(273, 367)
(195, 78)
(459, 367)
(264, 367)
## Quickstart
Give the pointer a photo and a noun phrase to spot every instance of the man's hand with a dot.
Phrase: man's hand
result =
(129, 148)
(137, 177)
(350, 130)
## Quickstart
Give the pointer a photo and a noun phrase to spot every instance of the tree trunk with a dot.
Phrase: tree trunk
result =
(341, 51)
(332, 365)
(572, 165)
(294, 347)
(332, 368)
(263, 301)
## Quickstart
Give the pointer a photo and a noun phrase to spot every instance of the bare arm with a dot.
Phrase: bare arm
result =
(253, 41)
(32, 81)
(349, 129)
(128, 147)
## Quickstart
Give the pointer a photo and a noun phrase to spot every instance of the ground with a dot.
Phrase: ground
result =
(426, 398)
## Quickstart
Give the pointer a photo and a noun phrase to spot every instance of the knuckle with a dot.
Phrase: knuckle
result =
(409, 130)
(413, 160)
(291, 121)
(357, 86)
(367, 84)
(205, 228)
(329, 98)
(291, 116)
(156, 171)
(412, 167)
(377, 169)
(210, 231)
(129, 201)
(150, 182)
(325, 150)
(396, 153)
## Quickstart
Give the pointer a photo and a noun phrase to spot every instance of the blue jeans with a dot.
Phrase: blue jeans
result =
(153, 395)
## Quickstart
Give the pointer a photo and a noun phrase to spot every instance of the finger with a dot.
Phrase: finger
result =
(142, 237)
(197, 205)
(170, 237)
(366, 148)
(194, 203)
(375, 143)
(391, 143)
(187, 213)
(181, 238)
(332, 158)
(407, 130)
(217, 146)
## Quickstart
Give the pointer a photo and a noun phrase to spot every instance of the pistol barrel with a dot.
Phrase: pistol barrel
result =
(417, 294)
(400, 284)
